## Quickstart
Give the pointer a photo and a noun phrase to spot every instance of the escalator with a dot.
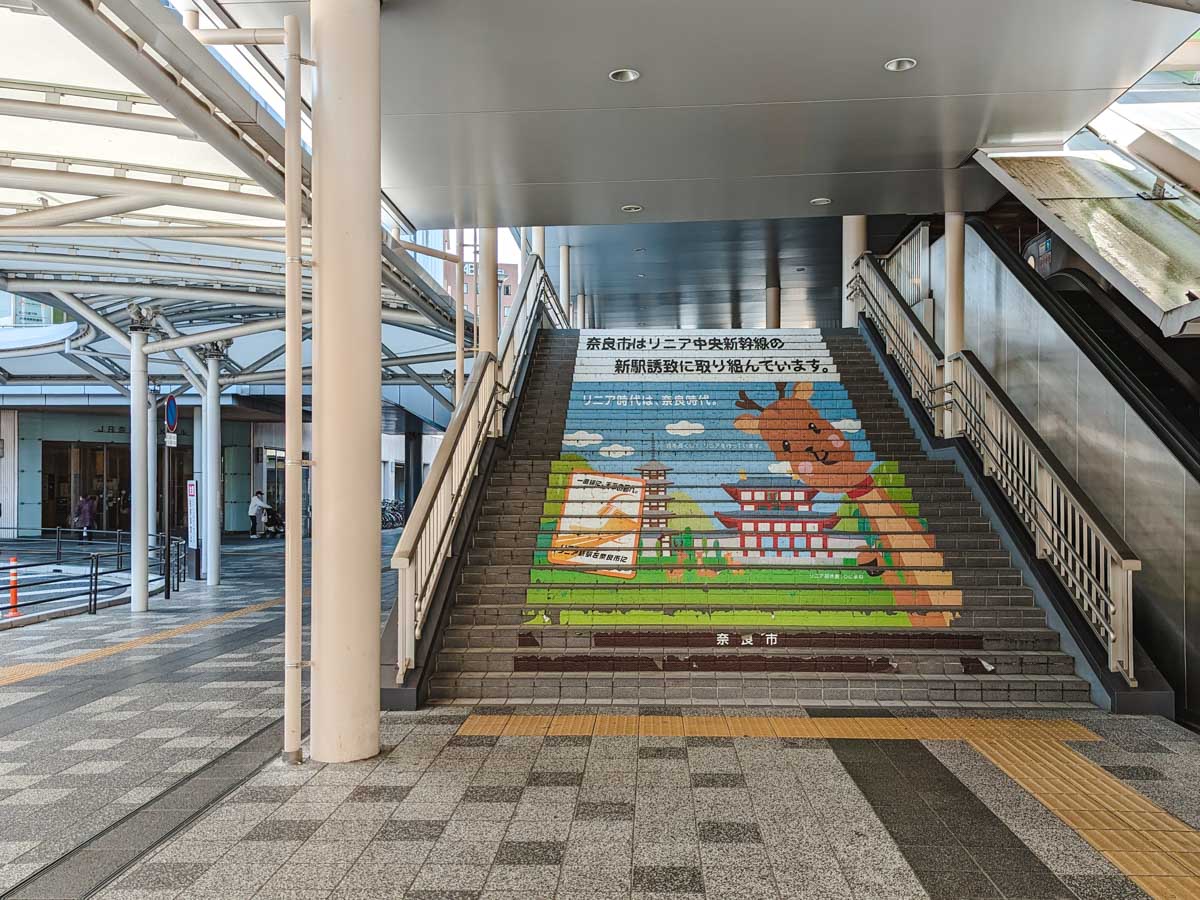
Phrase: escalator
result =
(1112, 394)
(1158, 376)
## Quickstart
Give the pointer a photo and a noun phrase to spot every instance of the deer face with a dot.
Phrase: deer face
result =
(815, 452)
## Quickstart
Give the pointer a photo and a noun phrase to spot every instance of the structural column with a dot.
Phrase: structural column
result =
(489, 299)
(956, 237)
(152, 467)
(212, 468)
(414, 464)
(952, 340)
(139, 566)
(460, 322)
(346, 381)
(539, 242)
(564, 278)
(774, 311)
(581, 309)
(198, 475)
(854, 245)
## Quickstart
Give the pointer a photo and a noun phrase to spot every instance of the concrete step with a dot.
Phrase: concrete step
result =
(881, 661)
(832, 688)
(495, 612)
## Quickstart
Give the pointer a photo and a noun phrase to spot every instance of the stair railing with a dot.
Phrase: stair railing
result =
(908, 265)
(426, 542)
(1089, 556)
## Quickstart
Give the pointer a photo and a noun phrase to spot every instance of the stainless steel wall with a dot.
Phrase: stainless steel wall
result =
(1116, 458)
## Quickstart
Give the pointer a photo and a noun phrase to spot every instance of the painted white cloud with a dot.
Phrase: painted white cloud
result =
(780, 468)
(616, 451)
(684, 428)
(581, 439)
(845, 425)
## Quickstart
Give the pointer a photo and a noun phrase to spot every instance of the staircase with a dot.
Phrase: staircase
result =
(750, 519)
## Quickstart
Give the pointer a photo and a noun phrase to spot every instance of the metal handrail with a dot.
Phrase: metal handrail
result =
(909, 266)
(1090, 558)
(426, 542)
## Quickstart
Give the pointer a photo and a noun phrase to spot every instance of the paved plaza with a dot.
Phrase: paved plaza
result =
(139, 761)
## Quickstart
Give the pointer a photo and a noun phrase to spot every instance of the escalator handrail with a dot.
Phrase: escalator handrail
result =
(1165, 425)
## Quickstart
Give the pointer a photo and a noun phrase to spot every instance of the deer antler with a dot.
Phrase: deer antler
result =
(746, 402)
(781, 387)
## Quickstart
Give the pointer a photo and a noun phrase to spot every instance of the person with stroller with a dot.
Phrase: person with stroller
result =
(258, 507)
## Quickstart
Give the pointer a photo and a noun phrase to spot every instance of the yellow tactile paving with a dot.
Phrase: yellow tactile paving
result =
(616, 726)
(748, 726)
(527, 726)
(572, 726)
(705, 726)
(660, 726)
(25, 671)
(1158, 851)
(1050, 732)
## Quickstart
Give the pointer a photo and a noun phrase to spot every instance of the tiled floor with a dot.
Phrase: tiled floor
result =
(463, 807)
(102, 714)
(172, 742)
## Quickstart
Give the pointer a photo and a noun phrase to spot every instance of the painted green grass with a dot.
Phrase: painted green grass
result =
(733, 618)
(715, 596)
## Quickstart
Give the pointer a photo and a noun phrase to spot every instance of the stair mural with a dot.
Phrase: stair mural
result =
(738, 515)
(694, 467)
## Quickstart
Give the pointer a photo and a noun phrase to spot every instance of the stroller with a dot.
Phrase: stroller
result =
(272, 524)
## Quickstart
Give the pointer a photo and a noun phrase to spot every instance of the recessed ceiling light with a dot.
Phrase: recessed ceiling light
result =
(820, 201)
(900, 64)
(624, 76)
(801, 269)
(641, 274)
(639, 249)
(631, 208)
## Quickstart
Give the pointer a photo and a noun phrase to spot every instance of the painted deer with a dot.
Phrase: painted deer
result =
(819, 455)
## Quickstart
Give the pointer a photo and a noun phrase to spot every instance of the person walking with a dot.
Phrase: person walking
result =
(85, 515)
(257, 507)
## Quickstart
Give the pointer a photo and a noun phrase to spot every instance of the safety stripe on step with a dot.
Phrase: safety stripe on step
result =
(25, 671)
(1158, 851)
(849, 727)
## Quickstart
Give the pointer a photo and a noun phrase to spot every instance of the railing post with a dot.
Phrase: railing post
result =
(58, 544)
(1120, 652)
(118, 549)
(93, 584)
(165, 561)
(406, 621)
(1043, 522)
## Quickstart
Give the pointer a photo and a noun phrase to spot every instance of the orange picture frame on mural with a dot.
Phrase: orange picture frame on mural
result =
(603, 528)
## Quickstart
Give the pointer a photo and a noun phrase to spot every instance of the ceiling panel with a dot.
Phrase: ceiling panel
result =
(472, 55)
(501, 112)
(683, 200)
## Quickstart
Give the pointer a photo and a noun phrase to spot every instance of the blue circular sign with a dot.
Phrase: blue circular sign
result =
(171, 413)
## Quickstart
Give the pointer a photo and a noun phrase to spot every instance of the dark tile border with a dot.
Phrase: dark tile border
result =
(954, 843)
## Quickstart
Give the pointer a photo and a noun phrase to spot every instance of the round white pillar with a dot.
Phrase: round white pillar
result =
(489, 299)
(346, 381)
(139, 567)
(956, 245)
(581, 310)
(564, 277)
(152, 468)
(854, 245)
(539, 242)
(212, 472)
